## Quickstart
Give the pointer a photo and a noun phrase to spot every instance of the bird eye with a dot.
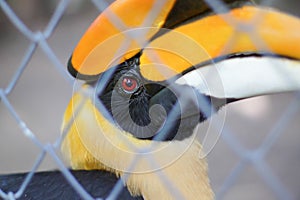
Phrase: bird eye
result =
(129, 84)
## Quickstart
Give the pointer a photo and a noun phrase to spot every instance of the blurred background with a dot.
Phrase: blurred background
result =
(42, 94)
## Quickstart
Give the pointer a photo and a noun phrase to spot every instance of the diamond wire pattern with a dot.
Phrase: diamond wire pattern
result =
(39, 39)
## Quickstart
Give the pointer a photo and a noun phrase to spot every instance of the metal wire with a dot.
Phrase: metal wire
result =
(247, 157)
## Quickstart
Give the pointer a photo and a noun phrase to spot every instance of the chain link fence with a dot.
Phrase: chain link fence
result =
(257, 155)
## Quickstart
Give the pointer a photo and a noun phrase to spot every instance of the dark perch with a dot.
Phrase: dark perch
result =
(53, 185)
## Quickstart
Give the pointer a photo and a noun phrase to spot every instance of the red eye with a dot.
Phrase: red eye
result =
(129, 84)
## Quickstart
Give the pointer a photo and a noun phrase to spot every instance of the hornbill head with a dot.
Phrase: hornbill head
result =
(156, 70)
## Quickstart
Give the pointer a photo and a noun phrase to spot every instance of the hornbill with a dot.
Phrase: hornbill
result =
(152, 71)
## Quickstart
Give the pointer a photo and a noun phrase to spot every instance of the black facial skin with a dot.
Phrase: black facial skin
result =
(138, 113)
(146, 112)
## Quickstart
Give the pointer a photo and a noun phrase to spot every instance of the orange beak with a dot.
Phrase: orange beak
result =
(122, 31)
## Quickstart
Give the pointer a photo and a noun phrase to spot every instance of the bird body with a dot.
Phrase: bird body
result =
(155, 70)
(116, 128)
(202, 62)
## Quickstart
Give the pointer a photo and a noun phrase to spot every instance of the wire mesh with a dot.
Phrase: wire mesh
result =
(256, 158)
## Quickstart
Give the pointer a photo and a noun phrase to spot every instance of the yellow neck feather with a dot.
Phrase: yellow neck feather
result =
(94, 143)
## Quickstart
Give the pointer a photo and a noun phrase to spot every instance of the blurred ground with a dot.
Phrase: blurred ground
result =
(42, 94)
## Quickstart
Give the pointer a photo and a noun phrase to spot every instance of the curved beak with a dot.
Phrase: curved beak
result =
(243, 77)
(248, 52)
